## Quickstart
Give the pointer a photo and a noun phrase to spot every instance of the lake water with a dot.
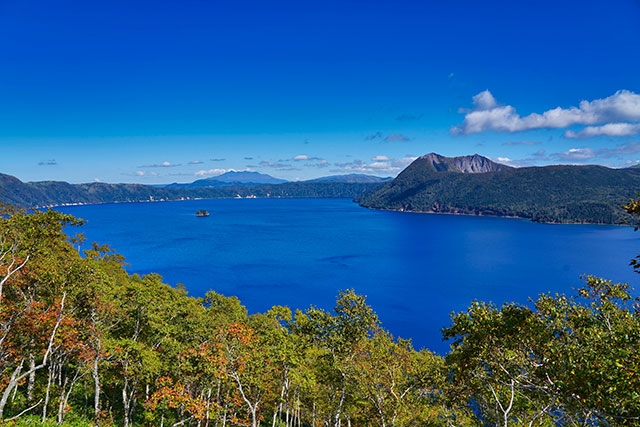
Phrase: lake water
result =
(415, 268)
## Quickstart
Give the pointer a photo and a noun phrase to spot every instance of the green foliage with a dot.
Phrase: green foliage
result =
(568, 360)
(33, 421)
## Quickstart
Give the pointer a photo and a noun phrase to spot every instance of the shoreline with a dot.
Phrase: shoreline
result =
(521, 218)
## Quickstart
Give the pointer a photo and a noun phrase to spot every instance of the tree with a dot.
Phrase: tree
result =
(568, 361)
(336, 337)
(39, 270)
(633, 208)
(397, 385)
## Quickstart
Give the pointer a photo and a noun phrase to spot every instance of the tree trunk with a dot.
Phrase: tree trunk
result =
(47, 394)
(65, 393)
(125, 402)
(96, 388)
(342, 396)
(32, 377)
(278, 410)
(253, 407)
(13, 381)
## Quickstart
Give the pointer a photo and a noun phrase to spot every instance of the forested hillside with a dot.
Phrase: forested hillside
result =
(55, 193)
(562, 193)
(83, 342)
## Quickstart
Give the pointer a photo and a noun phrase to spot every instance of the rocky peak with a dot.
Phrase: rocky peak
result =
(463, 164)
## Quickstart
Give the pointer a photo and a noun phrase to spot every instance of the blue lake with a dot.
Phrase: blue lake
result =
(415, 268)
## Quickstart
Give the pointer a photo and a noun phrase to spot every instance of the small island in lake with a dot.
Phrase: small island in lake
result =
(202, 212)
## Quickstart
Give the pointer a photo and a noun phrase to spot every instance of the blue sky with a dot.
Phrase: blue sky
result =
(173, 91)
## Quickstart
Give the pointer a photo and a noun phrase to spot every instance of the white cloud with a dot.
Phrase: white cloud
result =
(504, 159)
(143, 173)
(576, 154)
(379, 165)
(301, 157)
(484, 101)
(487, 115)
(161, 165)
(610, 129)
(210, 172)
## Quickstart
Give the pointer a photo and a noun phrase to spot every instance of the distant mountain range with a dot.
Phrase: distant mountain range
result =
(231, 179)
(352, 178)
(472, 185)
(478, 186)
(231, 184)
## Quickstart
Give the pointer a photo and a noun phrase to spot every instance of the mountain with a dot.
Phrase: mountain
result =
(54, 193)
(464, 164)
(232, 179)
(351, 178)
(248, 178)
(478, 186)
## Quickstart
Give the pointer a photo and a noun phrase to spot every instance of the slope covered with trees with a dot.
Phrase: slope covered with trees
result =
(82, 342)
(55, 193)
(563, 194)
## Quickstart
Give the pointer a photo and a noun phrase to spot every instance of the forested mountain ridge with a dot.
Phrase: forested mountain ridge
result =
(55, 193)
(555, 194)
(231, 179)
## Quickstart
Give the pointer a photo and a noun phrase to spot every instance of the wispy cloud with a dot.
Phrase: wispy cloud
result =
(517, 143)
(581, 155)
(195, 162)
(621, 150)
(217, 160)
(305, 158)
(380, 159)
(587, 153)
(279, 166)
(610, 129)
(396, 137)
(487, 115)
(161, 165)
(374, 136)
(313, 162)
(379, 165)
(51, 162)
